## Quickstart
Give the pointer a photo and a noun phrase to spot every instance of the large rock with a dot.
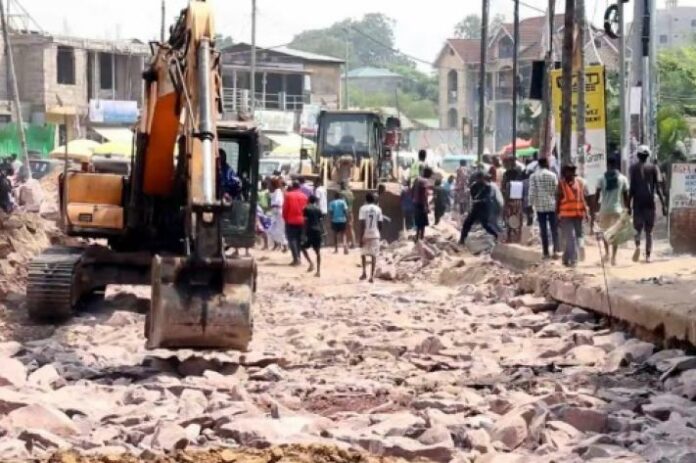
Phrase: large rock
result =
(42, 417)
(585, 419)
(398, 424)
(43, 440)
(632, 351)
(586, 355)
(45, 377)
(12, 372)
(272, 373)
(409, 449)
(511, 430)
(261, 432)
(13, 450)
(192, 402)
(169, 436)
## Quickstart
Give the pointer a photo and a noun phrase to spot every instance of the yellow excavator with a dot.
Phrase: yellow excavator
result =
(167, 223)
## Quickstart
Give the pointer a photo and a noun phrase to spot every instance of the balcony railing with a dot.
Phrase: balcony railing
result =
(235, 100)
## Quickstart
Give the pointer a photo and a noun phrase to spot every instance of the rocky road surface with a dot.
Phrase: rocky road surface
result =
(440, 360)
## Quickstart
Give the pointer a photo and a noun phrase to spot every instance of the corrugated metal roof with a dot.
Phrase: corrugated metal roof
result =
(307, 55)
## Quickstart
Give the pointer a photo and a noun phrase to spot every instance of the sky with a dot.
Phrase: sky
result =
(421, 26)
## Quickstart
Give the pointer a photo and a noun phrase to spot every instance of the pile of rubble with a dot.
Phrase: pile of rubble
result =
(404, 370)
(22, 236)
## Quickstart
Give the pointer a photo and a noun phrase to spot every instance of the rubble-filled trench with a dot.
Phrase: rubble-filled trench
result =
(439, 360)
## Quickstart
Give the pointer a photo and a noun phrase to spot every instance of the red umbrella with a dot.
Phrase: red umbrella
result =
(521, 144)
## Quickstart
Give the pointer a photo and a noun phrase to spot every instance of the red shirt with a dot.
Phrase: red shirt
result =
(293, 207)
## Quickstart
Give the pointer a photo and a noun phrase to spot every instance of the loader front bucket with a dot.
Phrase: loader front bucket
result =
(204, 305)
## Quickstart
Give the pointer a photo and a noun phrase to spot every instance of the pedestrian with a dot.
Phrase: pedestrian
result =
(571, 208)
(407, 207)
(543, 186)
(420, 203)
(350, 199)
(304, 188)
(293, 214)
(322, 196)
(612, 194)
(370, 216)
(16, 163)
(481, 196)
(513, 212)
(461, 189)
(449, 189)
(314, 232)
(6, 203)
(264, 199)
(418, 167)
(29, 192)
(645, 183)
(338, 214)
(276, 231)
(440, 200)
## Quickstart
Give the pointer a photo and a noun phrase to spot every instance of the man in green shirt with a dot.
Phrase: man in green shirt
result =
(612, 193)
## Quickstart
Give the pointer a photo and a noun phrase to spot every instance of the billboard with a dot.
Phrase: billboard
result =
(113, 111)
(595, 121)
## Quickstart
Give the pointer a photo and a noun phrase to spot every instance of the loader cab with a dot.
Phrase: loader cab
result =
(240, 142)
(349, 145)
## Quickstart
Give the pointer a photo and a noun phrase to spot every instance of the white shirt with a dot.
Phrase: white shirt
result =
(322, 196)
(371, 214)
(277, 198)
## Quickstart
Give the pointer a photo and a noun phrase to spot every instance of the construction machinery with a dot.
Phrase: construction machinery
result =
(166, 222)
(357, 149)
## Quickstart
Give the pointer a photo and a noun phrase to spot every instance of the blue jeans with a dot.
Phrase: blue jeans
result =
(546, 220)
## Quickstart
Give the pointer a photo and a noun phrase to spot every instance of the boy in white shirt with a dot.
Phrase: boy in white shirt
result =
(370, 216)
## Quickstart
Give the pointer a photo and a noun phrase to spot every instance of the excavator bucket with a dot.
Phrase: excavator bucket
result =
(201, 304)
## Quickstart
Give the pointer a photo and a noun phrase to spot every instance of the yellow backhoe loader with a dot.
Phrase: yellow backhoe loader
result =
(167, 222)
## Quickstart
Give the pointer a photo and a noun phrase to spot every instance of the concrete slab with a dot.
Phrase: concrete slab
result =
(657, 299)
(516, 256)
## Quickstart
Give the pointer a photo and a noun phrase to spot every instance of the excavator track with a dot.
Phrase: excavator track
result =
(53, 285)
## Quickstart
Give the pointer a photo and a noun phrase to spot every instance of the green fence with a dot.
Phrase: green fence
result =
(40, 139)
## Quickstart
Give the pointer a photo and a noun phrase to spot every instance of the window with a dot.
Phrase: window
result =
(452, 86)
(505, 48)
(65, 65)
(452, 118)
(106, 81)
(664, 39)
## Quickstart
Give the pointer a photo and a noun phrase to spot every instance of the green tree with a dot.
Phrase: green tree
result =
(369, 42)
(672, 128)
(223, 41)
(470, 26)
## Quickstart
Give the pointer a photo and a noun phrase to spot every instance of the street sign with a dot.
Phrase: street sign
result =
(595, 121)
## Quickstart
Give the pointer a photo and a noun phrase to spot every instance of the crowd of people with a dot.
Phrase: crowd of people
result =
(294, 217)
(560, 202)
(18, 189)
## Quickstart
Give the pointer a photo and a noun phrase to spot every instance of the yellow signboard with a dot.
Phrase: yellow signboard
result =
(595, 110)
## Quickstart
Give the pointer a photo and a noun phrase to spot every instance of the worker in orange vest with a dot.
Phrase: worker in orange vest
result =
(571, 208)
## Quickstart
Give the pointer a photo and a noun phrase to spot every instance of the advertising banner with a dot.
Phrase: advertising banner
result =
(113, 111)
(595, 121)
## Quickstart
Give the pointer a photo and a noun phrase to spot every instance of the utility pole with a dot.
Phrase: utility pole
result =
(567, 111)
(345, 74)
(653, 76)
(515, 87)
(253, 58)
(15, 90)
(645, 80)
(580, 43)
(482, 79)
(623, 127)
(164, 18)
(550, 63)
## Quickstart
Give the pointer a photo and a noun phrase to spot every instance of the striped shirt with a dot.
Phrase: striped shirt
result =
(543, 186)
